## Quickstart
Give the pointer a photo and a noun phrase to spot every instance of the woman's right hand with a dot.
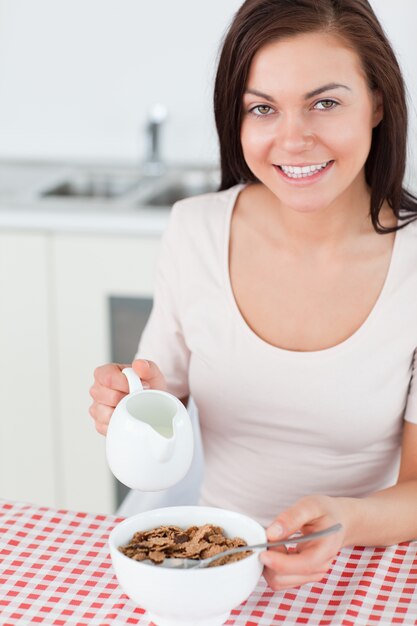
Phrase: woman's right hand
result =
(110, 386)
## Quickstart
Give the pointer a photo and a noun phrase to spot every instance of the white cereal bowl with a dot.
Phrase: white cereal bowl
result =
(202, 597)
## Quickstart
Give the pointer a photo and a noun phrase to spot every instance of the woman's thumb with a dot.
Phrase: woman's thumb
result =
(149, 372)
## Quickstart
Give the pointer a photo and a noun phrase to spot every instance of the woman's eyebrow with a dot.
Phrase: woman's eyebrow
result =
(255, 92)
(327, 87)
(308, 95)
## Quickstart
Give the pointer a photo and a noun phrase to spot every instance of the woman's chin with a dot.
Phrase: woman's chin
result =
(306, 208)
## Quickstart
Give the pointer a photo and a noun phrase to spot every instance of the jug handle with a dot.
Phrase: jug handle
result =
(133, 379)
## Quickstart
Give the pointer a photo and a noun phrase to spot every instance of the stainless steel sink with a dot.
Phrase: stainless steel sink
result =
(182, 184)
(131, 187)
(93, 185)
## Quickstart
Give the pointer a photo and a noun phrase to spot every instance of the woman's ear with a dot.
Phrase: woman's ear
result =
(378, 112)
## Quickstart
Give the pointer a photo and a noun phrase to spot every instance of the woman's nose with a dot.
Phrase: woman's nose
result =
(294, 134)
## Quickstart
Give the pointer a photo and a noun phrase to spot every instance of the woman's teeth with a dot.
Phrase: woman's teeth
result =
(292, 171)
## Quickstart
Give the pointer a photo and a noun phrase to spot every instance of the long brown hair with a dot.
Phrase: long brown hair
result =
(259, 22)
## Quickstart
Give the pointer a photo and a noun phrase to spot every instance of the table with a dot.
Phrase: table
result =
(55, 569)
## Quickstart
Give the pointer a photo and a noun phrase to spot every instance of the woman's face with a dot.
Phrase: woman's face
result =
(308, 116)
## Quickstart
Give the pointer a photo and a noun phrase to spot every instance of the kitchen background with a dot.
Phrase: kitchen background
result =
(78, 78)
(77, 82)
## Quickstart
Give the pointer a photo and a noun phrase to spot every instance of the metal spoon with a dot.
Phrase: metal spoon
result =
(179, 563)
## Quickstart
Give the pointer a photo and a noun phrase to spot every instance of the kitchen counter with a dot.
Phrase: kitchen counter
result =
(99, 219)
(24, 205)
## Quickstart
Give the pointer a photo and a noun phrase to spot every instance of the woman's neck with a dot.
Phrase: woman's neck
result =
(332, 227)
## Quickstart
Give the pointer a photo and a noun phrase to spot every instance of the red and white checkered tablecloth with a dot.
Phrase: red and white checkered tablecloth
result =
(55, 569)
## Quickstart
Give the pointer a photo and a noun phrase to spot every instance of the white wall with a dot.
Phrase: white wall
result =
(399, 19)
(78, 76)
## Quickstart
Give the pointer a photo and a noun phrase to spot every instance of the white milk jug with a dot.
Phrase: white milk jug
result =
(150, 443)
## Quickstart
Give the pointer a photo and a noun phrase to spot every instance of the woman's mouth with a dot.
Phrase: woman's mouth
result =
(304, 172)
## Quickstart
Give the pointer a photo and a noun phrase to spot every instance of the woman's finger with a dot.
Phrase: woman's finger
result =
(110, 376)
(278, 583)
(106, 395)
(304, 514)
(101, 429)
(311, 558)
(101, 413)
(149, 372)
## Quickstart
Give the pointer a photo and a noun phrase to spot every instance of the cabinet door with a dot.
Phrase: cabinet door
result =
(88, 271)
(28, 421)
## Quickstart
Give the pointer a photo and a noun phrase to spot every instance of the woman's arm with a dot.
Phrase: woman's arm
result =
(384, 518)
(388, 516)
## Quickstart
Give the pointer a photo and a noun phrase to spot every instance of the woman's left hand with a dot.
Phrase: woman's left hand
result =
(311, 560)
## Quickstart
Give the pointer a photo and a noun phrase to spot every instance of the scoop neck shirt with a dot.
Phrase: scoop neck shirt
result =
(278, 424)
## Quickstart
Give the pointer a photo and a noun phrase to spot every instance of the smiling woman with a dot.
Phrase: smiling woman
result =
(286, 303)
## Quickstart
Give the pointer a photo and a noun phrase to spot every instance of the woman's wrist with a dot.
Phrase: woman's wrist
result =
(382, 518)
(351, 515)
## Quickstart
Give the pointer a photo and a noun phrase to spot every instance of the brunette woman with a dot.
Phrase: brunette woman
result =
(286, 303)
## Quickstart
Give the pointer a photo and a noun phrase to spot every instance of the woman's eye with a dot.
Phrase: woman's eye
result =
(261, 110)
(325, 105)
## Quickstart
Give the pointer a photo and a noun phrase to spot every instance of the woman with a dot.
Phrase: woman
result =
(286, 303)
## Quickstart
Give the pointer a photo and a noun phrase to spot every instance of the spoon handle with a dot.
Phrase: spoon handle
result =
(272, 544)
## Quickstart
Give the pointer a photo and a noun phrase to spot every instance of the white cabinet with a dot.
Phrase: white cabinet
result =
(28, 419)
(86, 272)
(54, 330)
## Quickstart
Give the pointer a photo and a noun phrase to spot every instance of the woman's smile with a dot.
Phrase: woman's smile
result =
(303, 174)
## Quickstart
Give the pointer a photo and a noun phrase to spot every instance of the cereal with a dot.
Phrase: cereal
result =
(196, 542)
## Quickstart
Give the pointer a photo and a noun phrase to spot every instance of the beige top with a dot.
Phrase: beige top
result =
(277, 424)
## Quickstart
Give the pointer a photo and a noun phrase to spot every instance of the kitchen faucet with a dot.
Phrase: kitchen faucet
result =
(153, 164)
